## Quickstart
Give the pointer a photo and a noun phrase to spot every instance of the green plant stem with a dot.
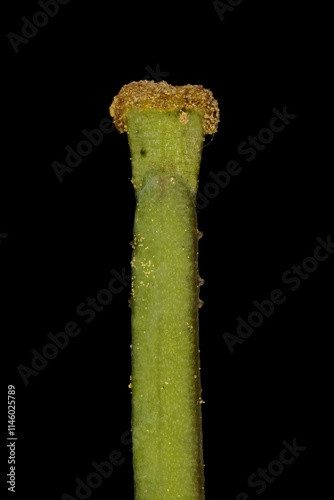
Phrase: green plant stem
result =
(166, 389)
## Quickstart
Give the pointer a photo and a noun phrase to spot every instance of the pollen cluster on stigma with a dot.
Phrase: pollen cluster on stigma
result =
(147, 94)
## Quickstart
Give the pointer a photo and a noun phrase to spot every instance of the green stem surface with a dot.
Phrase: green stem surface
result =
(166, 390)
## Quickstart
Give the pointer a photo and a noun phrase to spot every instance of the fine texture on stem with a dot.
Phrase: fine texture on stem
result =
(166, 132)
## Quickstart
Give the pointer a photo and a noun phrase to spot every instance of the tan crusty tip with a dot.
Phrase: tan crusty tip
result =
(147, 94)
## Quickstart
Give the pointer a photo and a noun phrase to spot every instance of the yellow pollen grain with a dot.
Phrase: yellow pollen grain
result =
(147, 94)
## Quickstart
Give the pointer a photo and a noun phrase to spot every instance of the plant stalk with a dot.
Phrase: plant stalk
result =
(166, 142)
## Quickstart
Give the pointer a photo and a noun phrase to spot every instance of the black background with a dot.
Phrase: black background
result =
(64, 239)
